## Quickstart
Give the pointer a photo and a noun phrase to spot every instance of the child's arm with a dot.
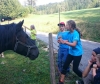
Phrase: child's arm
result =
(34, 33)
(58, 38)
(87, 69)
(94, 70)
(26, 27)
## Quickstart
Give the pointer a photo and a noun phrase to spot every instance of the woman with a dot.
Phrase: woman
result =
(87, 77)
(96, 70)
(75, 50)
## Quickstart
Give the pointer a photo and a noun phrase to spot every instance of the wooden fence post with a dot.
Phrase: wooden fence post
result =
(51, 56)
(59, 15)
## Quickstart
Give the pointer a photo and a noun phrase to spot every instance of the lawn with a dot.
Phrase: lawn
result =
(16, 69)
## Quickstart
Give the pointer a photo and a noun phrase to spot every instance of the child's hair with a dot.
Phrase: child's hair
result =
(32, 27)
(98, 56)
(73, 25)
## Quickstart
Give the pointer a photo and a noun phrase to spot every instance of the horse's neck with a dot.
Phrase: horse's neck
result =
(5, 46)
(6, 42)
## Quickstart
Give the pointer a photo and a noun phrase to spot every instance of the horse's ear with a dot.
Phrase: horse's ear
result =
(22, 21)
(19, 25)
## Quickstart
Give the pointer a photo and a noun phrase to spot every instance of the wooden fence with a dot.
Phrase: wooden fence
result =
(52, 60)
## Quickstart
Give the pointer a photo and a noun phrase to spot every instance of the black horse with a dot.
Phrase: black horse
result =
(12, 37)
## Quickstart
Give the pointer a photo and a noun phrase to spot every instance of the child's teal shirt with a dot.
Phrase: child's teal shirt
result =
(63, 35)
(77, 50)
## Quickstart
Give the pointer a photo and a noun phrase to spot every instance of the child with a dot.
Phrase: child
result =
(75, 50)
(33, 32)
(63, 48)
(96, 70)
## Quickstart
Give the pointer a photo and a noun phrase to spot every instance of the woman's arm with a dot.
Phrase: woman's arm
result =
(71, 44)
(94, 70)
(87, 70)
(68, 43)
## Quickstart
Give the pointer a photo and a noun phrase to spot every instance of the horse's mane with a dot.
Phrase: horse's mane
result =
(6, 32)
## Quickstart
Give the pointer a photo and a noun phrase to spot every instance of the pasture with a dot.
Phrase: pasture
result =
(16, 69)
(88, 20)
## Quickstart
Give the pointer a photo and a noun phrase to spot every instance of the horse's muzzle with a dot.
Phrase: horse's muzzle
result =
(34, 55)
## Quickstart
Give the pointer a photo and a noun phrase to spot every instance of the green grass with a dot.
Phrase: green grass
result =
(16, 69)
(70, 78)
(88, 20)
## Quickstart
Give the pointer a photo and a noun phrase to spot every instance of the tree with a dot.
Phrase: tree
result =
(31, 5)
(9, 8)
(12, 9)
(68, 5)
(24, 11)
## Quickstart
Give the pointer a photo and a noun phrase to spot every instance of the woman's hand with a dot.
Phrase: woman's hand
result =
(90, 62)
(94, 66)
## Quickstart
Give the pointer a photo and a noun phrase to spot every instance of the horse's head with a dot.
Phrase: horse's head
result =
(23, 44)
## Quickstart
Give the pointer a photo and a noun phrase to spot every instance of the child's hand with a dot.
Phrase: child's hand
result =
(95, 66)
(62, 41)
(58, 41)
